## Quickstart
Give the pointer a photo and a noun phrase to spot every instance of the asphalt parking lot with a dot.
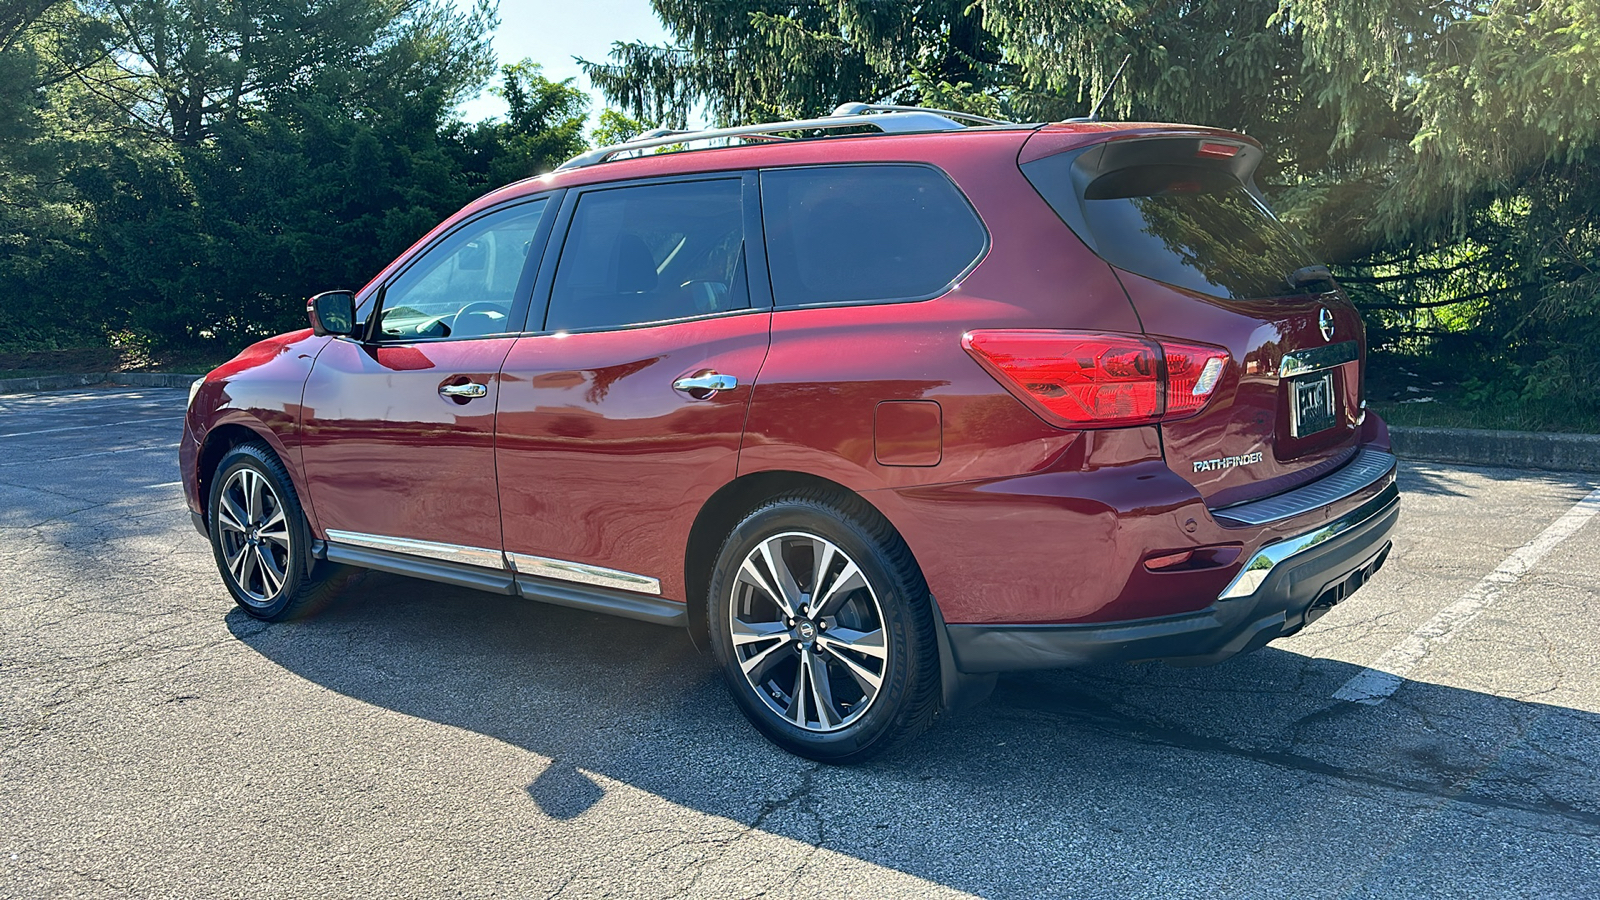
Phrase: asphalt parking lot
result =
(416, 740)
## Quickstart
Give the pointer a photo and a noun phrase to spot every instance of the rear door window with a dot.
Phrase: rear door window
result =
(866, 233)
(651, 253)
(1194, 228)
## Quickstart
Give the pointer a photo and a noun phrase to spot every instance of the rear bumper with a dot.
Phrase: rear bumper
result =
(1284, 586)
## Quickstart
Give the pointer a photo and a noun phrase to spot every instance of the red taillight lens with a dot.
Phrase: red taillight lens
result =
(1085, 380)
(1193, 371)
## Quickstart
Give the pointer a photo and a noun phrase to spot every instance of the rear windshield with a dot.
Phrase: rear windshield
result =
(1194, 228)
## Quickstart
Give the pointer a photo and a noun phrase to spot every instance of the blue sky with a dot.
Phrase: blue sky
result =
(552, 32)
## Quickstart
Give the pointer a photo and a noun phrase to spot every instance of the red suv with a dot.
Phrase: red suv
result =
(877, 405)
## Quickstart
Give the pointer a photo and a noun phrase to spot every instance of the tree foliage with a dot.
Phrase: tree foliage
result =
(182, 174)
(1442, 157)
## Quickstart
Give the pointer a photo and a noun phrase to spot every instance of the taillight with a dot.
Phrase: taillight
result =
(1089, 380)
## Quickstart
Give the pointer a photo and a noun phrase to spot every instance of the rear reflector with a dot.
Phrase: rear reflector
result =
(1092, 380)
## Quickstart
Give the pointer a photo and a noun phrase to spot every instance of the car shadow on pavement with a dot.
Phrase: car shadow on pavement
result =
(1235, 777)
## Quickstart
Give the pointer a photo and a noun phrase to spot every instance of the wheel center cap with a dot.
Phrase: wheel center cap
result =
(805, 630)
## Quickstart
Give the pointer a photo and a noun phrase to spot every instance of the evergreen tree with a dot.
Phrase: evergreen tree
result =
(752, 60)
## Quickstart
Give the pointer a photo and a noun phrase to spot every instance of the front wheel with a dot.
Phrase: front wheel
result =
(260, 539)
(820, 622)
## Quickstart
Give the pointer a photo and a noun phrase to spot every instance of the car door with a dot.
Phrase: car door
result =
(398, 430)
(624, 413)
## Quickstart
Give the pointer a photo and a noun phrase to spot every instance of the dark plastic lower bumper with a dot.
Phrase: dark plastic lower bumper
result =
(1291, 588)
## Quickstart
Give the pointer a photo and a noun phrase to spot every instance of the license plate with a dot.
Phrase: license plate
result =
(1311, 404)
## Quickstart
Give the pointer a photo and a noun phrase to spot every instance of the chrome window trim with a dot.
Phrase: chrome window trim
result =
(1259, 568)
(1315, 359)
(599, 576)
(455, 553)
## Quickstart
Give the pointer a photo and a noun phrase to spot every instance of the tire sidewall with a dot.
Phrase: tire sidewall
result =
(884, 718)
(263, 463)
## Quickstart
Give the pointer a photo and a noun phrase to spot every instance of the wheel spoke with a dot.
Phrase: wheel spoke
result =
(796, 712)
(850, 578)
(253, 490)
(229, 515)
(821, 689)
(748, 633)
(821, 558)
(276, 529)
(249, 563)
(869, 643)
(772, 552)
(869, 680)
(271, 578)
(236, 561)
(756, 666)
(750, 574)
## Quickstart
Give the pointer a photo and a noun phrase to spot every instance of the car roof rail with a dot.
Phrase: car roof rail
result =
(887, 119)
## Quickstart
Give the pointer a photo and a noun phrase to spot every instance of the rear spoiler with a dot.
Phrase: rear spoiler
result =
(1062, 165)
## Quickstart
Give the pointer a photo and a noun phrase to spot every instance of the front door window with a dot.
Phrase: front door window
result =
(466, 285)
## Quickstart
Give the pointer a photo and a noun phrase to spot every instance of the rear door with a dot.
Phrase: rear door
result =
(1203, 259)
(625, 412)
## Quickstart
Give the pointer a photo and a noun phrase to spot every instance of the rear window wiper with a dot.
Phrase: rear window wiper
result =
(1308, 275)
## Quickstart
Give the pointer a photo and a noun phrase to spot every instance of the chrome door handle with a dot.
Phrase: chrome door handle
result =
(708, 381)
(468, 390)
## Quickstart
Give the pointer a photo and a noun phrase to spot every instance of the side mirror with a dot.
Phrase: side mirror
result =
(332, 312)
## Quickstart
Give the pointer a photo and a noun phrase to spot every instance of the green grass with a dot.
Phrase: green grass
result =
(1429, 392)
(1448, 413)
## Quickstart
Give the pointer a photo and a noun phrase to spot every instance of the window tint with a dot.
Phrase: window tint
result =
(465, 285)
(840, 234)
(1194, 228)
(651, 253)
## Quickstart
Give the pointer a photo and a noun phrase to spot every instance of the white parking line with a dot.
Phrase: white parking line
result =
(1379, 681)
(56, 459)
(82, 427)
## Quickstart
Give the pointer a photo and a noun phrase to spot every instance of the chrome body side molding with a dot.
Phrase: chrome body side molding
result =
(497, 578)
(479, 578)
(453, 553)
(1260, 566)
(1299, 362)
(1366, 468)
(562, 570)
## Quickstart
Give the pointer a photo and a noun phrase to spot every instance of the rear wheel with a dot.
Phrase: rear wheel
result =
(820, 621)
(260, 539)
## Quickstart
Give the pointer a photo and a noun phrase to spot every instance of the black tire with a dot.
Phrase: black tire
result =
(273, 576)
(805, 529)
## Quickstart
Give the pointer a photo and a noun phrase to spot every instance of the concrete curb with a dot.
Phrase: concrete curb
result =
(62, 382)
(1503, 449)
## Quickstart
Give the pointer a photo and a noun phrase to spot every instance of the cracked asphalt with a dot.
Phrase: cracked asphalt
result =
(422, 741)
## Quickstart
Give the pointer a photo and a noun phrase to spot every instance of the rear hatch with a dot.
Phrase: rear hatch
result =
(1203, 259)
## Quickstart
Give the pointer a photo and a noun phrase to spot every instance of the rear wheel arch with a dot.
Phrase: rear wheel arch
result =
(729, 506)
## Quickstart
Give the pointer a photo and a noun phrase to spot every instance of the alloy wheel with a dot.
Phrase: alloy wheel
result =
(254, 532)
(808, 631)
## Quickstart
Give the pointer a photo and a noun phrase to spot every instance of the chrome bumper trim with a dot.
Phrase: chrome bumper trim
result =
(544, 567)
(456, 553)
(1366, 468)
(1260, 566)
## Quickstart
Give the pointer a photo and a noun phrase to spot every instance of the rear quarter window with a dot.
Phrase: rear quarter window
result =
(867, 233)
